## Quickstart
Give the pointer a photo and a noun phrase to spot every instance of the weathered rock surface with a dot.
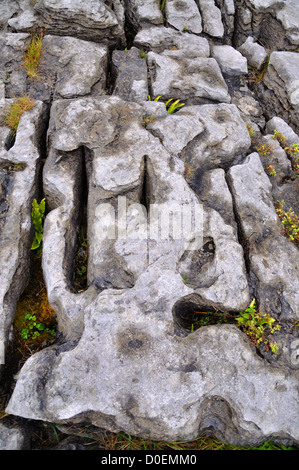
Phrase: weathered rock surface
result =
(97, 21)
(179, 210)
(183, 15)
(276, 291)
(282, 78)
(255, 53)
(20, 168)
(198, 79)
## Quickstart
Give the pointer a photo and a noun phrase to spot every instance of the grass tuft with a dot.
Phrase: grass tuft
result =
(33, 54)
(15, 111)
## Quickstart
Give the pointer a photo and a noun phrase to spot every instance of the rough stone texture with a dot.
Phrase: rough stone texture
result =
(95, 20)
(13, 438)
(124, 358)
(276, 291)
(255, 53)
(184, 371)
(130, 75)
(275, 23)
(282, 78)
(143, 13)
(183, 15)
(231, 62)
(19, 168)
(68, 67)
(211, 18)
(172, 43)
(199, 78)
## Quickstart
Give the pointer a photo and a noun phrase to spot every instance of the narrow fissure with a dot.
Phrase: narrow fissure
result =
(79, 272)
(244, 242)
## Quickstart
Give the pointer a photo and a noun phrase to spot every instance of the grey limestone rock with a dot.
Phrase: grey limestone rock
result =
(172, 42)
(231, 62)
(130, 75)
(277, 277)
(20, 168)
(97, 21)
(282, 78)
(143, 13)
(211, 18)
(275, 23)
(198, 79)
(179, 215)
(13, 438)
(68, 67)
(183, 15)
(255, 53)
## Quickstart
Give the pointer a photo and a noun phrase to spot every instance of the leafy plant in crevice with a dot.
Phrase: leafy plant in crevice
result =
(34, 324)
(171, 108)
(162, 4)
(34, 328)
(291, 150)
(256, 75)
(258, 327)
(37, 214)
(155, 99)
(289, 221)
(263, 150)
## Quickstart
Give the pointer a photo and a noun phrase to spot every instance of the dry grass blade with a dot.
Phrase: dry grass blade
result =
(15, 111)
(33, 54)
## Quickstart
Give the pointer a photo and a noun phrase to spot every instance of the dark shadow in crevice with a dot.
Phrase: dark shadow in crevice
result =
(80, 259)
(191, 313)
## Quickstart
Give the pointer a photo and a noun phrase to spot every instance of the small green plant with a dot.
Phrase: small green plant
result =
(265, 150)
(174, 106)
(257, 75)
(34, 328)
(147, 119)
(292, 150)
(209, 318)
(185, 278)
(33, 55)
(143, 54)
(171, 108)
(156, 99)
(271, 170)
(37, 214)
(162, 4)
(289, 221)
(258, 326)
(15, 111)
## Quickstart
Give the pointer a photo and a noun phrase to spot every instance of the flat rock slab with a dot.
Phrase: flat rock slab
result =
(94, 20)
(177, 77)
(183, 15)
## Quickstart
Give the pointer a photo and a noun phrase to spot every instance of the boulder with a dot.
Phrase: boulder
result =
(255, 53)
(183, 15)
(96, 21)
(281, 77)
(198, 79)
(231, 62)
